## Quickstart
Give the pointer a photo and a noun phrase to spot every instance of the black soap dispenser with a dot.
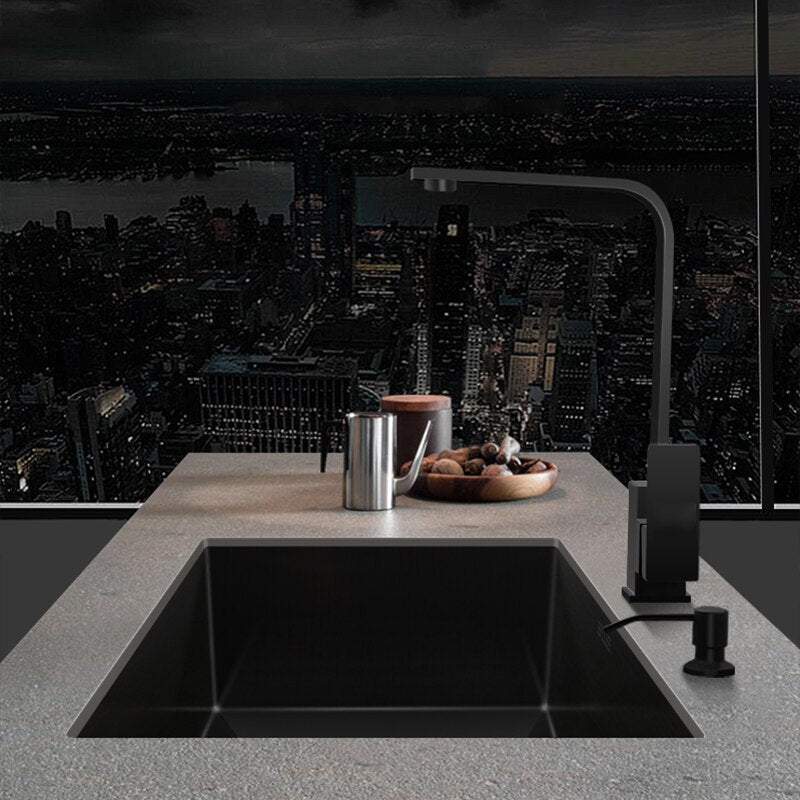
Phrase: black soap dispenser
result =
(710, 638)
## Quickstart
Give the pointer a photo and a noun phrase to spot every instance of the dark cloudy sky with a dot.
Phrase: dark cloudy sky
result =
(52, 39)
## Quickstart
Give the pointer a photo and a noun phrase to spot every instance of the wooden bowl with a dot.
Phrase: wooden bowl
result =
(477, 489)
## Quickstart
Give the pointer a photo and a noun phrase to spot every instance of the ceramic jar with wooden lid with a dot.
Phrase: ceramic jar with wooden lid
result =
(414, 411)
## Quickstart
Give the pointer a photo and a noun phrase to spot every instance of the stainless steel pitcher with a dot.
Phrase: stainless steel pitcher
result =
(370, 441)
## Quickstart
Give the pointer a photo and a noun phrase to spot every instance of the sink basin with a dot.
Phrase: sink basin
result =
(379, 639)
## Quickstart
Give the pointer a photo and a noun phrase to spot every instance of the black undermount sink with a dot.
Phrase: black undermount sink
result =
(313, 639)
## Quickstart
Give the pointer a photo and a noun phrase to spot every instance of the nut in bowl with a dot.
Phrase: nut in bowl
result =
(484, 474)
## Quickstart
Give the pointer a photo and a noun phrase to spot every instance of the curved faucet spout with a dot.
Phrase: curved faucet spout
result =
(445, 179)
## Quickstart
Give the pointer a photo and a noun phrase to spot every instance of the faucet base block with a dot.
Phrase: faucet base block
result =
(657, 593)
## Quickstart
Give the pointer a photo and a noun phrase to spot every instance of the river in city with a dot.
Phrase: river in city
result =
(269, 186)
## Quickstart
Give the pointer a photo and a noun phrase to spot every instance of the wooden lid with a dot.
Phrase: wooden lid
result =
(415, 402)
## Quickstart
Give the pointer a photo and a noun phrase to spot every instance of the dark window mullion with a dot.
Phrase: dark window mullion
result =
(763, 210)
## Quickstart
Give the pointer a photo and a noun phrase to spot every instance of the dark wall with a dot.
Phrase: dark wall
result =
(762, 560)
(40, 558)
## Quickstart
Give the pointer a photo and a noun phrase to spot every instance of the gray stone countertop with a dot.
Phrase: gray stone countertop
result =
(750, 722)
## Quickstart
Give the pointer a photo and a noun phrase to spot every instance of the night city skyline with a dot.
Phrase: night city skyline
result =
(238, 327)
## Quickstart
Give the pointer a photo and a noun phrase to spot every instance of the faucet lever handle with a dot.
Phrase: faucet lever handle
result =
(664, 526)
(671, 541)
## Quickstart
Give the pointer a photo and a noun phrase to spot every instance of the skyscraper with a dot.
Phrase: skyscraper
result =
(227, 301)
(572, 386)
(523, 362)
(322, 219)
(63, 222)
(254, 403)
(576, 286)
(276, 247)
(451, 298)
(107, 446)
(421, 354)
(247, 226)
(189, 221)
(534, 352)
(222, 224)
(376, 280)
(472, 367)
(40, 391)
(111, 224)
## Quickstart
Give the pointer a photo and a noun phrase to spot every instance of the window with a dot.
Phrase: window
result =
(167, 241)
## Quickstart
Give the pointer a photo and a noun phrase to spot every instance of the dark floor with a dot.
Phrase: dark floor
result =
(40, 558)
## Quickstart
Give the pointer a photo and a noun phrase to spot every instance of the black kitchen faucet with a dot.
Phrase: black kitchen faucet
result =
(663, 512)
